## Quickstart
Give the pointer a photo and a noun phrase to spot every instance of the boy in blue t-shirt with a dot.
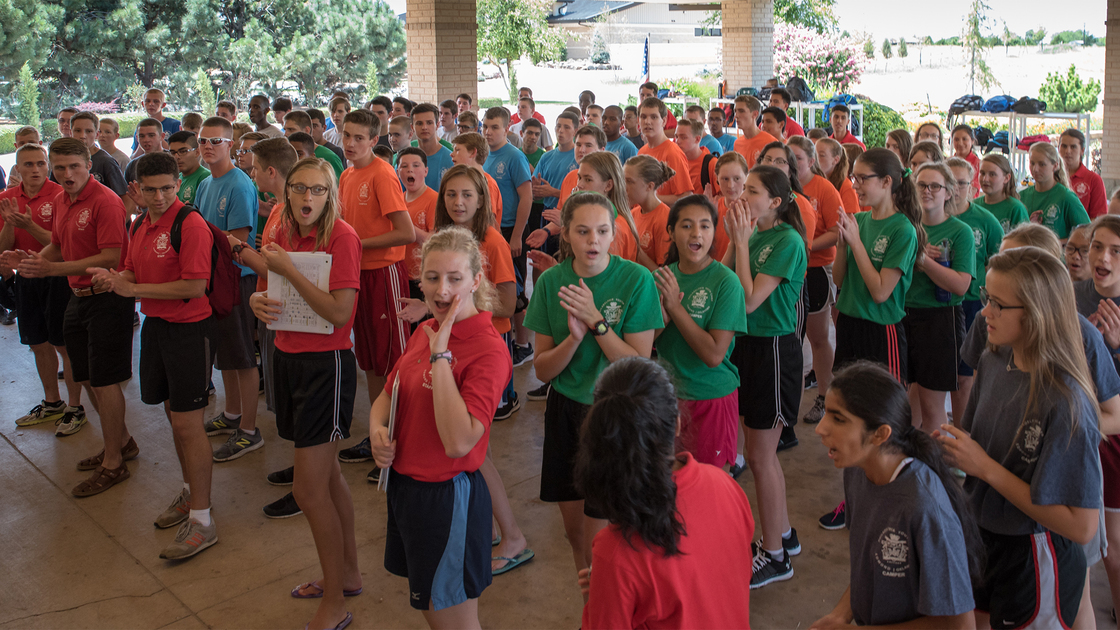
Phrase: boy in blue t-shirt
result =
(555, 165)
(425, 118)
(617, 143)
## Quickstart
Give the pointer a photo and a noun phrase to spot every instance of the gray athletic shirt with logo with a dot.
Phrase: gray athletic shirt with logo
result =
(907, 549)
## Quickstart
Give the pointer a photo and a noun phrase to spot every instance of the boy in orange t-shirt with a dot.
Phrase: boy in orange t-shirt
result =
(688, 136)
(658, 145)
(750, 144)
(412, 167)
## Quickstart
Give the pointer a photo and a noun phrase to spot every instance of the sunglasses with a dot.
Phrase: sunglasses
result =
(213, 141)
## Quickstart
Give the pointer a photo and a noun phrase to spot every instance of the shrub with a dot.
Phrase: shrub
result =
(486, 103)
(827, 63)
(28, 112)
(878, 120)
(1068, 93)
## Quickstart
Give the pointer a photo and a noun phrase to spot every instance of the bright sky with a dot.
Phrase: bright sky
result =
(887, 18)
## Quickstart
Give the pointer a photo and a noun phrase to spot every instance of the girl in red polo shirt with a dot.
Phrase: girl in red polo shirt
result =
(315, 377)
(449, 382)
(680, 531)
(964, 147)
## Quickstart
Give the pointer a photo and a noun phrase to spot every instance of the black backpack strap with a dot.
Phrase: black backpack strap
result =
(136, 224)
(177, 225)
(705, 176)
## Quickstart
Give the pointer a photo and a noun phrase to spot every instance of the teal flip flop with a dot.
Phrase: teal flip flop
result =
(514, 562)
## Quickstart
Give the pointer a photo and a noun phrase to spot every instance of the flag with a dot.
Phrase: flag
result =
(645, 61)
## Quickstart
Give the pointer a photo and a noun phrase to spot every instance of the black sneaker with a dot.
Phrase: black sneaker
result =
(358, 453)
(284, 507)
(811, 379)
(791, 545)
(788, 439)
(834, 519)
(522, 354)
(540, 393)
(374, 475)
(9, 317)
(765, 569)
(505, 411)
(282, 477)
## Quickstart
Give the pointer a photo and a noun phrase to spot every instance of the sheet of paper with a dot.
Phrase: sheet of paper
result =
(297, 315)
(383, 482)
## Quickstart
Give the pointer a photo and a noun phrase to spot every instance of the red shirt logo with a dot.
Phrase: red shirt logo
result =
(1081, 188)
(162, 244)
(46, 211)
(83, 219)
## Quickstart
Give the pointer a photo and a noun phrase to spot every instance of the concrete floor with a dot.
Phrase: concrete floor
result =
(93, 563)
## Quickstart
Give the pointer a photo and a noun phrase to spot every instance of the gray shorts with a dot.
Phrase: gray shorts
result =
(233, 334)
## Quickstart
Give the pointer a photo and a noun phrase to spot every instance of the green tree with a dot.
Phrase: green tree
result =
(927, 41)
(1035, 37)
(28, 111)
(902, 51)
(511, 29)
(869, 48)
(818, 15)
(976, 46)
(886, 48)
(1069, 93)
(207, 97)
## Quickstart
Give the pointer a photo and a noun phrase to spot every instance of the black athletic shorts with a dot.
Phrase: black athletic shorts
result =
(933, 349)
(1034, 580)
(41, 308)
(520, 263)
(314, 395)
(233, 334)
(175, 363)
(818, 281)
(971, 309)
(860, 339)
(438, 536)
(563, 418)
(98, 333)
(770, 380)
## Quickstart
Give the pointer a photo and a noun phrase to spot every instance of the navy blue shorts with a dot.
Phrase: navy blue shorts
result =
(438, 536)
(971, 309)
(1031, 579)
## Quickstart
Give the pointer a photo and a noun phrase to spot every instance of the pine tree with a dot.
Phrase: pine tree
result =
(28, 111)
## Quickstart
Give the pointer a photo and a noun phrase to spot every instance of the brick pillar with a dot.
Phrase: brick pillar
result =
(1110, 147)
(748, 42)
(442, 49)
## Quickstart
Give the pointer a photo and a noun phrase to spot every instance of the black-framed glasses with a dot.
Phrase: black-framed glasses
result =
(1080, 251)
(301, 189)
(933, 188)
(150, 191)
(986, 300)
(862, 179)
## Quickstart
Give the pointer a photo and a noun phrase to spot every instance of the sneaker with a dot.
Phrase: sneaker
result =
(71, 422)
(43, 412)
(791, 545)
(522, 354)
(374, 475)
(815, 414)
(811, 379)
(356, 454)
(177, 512)
(282, 477)
(765, 570)
(9, 316)
(238, 444)
(505, 411)
(834, 519)
(135, 319)
(191, 538)
(540, 393)
(284, 507)
(787, 440)
(210, 390)
(221, 425)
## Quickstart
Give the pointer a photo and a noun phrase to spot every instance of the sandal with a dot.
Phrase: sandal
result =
(316, 591)
(101, 480)
(514, 562)
(129, 451)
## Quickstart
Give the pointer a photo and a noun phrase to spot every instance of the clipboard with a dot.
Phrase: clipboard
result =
(383, 481)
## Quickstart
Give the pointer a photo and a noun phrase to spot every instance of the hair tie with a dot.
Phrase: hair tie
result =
(792, 197)
(906, 172)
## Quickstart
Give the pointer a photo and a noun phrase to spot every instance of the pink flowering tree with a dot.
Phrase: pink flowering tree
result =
(828, 63)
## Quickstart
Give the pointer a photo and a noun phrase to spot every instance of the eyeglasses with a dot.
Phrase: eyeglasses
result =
(301, 189)
(986, 300)
(180, 152)
(1080, 251)
(241, 152)
(777, 161)
(214, 141)
(862, 179)
(933, 188)
(163, 190)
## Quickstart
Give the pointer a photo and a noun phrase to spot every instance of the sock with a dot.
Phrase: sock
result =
(202, 516)
(230, 416)
(776, 555)
(740, 461)
(187, 487)
(788, 534)
(74, 408)
(522, 345)
(255, 432)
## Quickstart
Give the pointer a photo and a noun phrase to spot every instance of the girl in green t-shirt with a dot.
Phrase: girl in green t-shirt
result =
(703, 309)
(1001, 197)
(1050, 201)
(589, 310)
(770, 261)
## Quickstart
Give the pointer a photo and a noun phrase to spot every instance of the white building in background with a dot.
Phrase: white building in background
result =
(630, 22)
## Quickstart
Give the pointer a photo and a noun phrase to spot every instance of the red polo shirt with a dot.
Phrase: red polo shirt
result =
(850, 137)
(516, 118)
(481, 367)
(1089, 188)
(793, 128)
(345, 249)
(42, 209)
(153, 260)
(92, 222)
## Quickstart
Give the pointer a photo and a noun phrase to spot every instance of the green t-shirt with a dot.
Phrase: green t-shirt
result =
(714, 299)
(626, 296)
(923, 291)
(416, 143)
(1010, 212)
(323, 153)
(988, 234)
(779, 252)
(892, 243)
(535, 157)
(1061, 209)
(188, 185)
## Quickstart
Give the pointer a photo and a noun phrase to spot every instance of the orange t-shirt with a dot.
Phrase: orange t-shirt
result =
(566, 188)
(652, 231)
(369, 195)
(499, 268)
(694, 168)
(495, 199)
(751, 148)
(826, 203)
(268, 235)
(422, 211)
(809, 218)
(848, 197)
(624, 245)
(669, 153)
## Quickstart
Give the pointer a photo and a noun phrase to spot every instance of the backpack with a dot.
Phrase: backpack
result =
(966, 103)
(224, 286)
(843, 99)
(981, 136)
(999, 104)
(799, 90)
(1025, 143)
(998, 142)
(705, 175)
(1028, 105)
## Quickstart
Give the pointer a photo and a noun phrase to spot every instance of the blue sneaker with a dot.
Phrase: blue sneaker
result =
(358, 453)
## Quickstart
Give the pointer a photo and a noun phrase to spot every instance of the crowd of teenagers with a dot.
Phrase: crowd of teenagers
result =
(679, 266)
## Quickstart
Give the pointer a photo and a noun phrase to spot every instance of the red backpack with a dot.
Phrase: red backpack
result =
(224, 287)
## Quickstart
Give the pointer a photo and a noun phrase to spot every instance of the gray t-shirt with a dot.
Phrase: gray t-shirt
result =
(106, 170)
(907, 549)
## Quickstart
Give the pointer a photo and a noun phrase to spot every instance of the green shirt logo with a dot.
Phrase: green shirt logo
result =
(881, 245)
(612, 311)
(764, 254)
(979, 236)
(699, 302)
(1052, 212)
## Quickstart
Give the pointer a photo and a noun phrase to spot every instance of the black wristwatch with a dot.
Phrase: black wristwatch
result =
(601, 328)
(238, 247)
(446, 354)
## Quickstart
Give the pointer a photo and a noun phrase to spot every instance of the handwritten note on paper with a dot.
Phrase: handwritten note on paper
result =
(296, 314)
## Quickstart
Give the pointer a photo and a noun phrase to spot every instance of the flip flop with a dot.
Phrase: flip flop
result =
(319, 594)
(514, 562)
(341, 625)
(497, 541)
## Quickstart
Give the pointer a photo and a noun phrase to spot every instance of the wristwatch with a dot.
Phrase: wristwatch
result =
(601, 328)
(238, 247)
(446, 354)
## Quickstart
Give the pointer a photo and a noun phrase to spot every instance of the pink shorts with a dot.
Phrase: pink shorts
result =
(1110, 469)
(710, 430)
(379, 336)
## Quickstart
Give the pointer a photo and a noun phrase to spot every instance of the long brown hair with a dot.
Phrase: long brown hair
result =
(1001, 162)
(332, 211)
(483, 218)
(839, 172)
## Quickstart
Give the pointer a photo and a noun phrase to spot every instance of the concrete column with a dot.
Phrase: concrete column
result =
(442, 49)
(748, 42)
(1110, 146)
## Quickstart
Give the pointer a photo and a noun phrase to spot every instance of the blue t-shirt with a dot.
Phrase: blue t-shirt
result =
(712, 145)
(510, 168)
(438, 164)
(170, 126)
(623, 148)
(727, 141)
(554, 167)
(229, 202)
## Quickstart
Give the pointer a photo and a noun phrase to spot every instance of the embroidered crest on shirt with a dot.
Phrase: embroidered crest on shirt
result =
(1031, 439)
(46, 211)
(612, 311)
(646, 236)
(83, 219)
(1006, 225)
(1081, 188)
(222, 207)
(893, 554)
(1052, 213)
(162, 244)
(699, 302)
(979, 236)
(500, 168)
(764, 254)
(363, 191)
(97, 176)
